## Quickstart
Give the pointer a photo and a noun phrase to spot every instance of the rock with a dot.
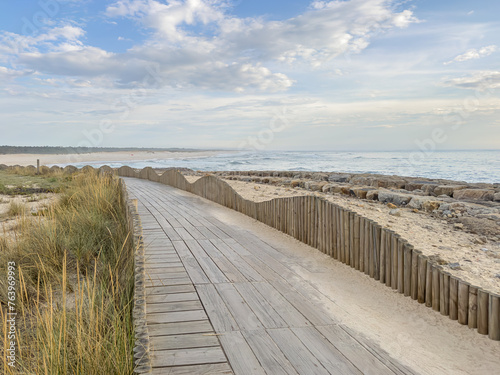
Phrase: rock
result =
(418, 201)
(429, 188)
(446, 212)
(474, 194)
(430, 206)
(458, 226)
(448, 189)
(3, 167)
(345, 190)
(335, 177)
(320, 176)
(387, 196)
(332, 188)
(454, 266)
(390, 205)
(314, 186)
(484, 249)
(496, 197)
(360, 192)
(372, 194)
(414, 185)
(395, 212)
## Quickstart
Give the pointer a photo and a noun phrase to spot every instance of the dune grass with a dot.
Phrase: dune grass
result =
(74, 283)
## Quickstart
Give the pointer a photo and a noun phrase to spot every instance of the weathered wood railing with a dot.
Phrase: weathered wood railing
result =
(358, 242)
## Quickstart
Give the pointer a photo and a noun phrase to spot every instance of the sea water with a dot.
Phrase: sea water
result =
(469, 166)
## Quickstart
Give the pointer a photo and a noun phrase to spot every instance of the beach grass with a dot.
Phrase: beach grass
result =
(74, 282)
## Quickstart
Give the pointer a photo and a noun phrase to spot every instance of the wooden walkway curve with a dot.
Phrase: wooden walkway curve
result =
(220, 300)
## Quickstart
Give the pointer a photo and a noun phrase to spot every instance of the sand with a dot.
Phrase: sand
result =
(48, 159)
(479, 262)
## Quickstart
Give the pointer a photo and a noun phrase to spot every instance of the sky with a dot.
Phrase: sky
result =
(264, 75)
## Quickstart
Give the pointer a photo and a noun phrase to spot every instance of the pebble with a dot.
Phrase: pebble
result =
(395, 212)
(458, 226)
(454, 266)
(484, 249)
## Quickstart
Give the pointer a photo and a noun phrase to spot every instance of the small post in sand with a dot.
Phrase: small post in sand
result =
(37, 166)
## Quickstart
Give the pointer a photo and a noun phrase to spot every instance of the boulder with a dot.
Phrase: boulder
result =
(335, 177)
(372, 194)
(3, 167)
(414, 185)
(474, 194)
(295, 183)
(429, 188)
(417, 201)
(360, 192)
(388, 196)
(320, 176)
(314, 186)
(448, 189)
(496, 197)
(431, 206)
(332, 188)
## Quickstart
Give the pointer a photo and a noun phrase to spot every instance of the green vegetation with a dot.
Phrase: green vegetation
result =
(74, 272)
(20, 182)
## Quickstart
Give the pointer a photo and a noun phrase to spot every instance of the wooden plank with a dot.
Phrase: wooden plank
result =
(363, 360)
(453, 298)
(329, 356)
(171, 297)
(211, 369)
(173, 317)
(262, 308)
(216, 309)
(193, 340)
(174, 306)
(180, 328)
(209, 267)
(230, 252)
(472, 319)
(287, 311)
(240, 355)
(380, 354)
(444, 293)
(230, 271)
(312, 311)
(296, 352)
(192, 267)
(240, 310)
(170, 289)
(183, 357)
(463, 302)
(270, 357)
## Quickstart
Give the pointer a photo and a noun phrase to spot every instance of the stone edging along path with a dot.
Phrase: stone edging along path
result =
(355, 241)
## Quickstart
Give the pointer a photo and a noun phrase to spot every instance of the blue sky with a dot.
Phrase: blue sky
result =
(294, 75)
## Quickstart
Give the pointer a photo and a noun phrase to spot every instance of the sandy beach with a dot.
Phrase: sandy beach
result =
(49, 159)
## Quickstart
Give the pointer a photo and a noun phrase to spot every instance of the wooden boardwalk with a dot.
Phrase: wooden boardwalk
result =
(222, 301)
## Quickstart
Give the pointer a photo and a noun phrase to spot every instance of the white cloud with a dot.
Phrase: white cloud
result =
(473, 54)
(484, 80)
(225, 52)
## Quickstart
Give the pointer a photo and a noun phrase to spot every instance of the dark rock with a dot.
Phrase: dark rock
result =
(339, 177)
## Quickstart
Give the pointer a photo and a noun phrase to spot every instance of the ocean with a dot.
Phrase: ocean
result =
(469, 166)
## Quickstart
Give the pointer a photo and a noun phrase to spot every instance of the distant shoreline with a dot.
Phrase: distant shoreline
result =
(104, 156)
(56, 150)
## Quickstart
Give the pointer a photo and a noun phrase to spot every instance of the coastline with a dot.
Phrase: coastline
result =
(103, 157)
